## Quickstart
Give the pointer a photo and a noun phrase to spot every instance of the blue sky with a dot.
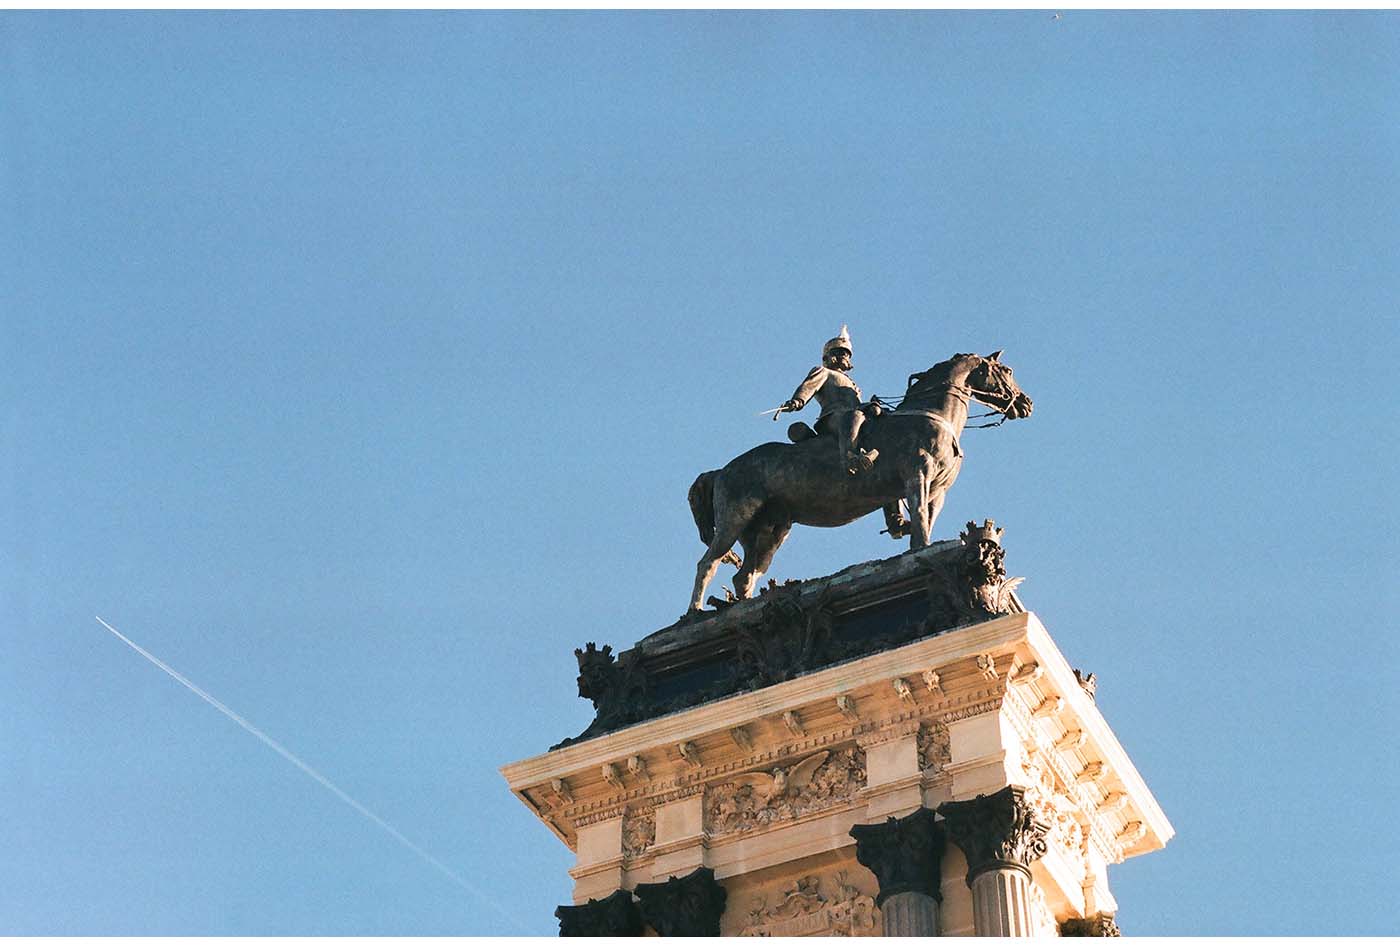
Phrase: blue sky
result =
(357, 365)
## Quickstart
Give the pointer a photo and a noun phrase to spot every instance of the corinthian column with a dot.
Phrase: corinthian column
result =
(905, 855)
(1001, 838)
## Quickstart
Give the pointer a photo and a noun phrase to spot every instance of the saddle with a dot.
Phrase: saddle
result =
(799, 431)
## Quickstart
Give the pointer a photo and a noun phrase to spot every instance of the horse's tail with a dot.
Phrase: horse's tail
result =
(702, 504)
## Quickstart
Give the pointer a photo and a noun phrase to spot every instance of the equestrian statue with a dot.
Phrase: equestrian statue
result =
(879, 458)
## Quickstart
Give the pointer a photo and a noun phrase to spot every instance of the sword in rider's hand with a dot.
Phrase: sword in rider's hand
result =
(775, 411)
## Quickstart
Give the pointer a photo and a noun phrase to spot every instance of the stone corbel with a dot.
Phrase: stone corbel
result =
(847, 705)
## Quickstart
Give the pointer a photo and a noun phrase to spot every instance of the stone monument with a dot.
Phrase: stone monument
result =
(896, 749)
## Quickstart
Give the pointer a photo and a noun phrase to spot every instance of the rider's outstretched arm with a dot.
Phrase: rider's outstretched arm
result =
(809, 386)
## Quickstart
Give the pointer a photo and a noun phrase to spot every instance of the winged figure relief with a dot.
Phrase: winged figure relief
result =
(780, 782)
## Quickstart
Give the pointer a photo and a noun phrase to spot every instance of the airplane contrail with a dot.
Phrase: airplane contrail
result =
(287, 754)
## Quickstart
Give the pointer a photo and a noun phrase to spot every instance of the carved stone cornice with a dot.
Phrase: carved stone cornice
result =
(889, 733)
(684, 906)
(614, 915)
(597, 817)
(1100, 924)
(904, 854)
(1000, 830)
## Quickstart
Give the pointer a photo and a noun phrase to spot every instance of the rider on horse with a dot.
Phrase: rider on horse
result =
(839, 398)
(842, 413)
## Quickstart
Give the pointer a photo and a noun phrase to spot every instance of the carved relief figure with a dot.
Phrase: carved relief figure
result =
(755, 799)
(757, 497)
(802, 909)
(638, 833)
(935, 750)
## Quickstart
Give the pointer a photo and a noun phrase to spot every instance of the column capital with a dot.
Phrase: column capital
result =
(684, 906)
(999, 830)
(614, 915)
(905, 854)
(1100, 924)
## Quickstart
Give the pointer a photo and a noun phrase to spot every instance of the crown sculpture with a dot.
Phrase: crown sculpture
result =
(795, 759)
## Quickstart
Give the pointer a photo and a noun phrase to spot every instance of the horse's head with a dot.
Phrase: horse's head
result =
(984, 378)
(992, 384)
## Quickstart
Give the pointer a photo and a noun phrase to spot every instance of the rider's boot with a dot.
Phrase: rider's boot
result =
(862, 461)
(895, 523)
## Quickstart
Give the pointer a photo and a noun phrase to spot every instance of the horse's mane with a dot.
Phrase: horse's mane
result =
(942, 368)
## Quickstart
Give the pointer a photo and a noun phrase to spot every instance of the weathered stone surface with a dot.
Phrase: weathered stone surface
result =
(615, 915)
(684, 906)
(797, 628)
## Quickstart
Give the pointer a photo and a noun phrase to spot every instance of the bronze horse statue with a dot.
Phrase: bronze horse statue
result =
(759, 495)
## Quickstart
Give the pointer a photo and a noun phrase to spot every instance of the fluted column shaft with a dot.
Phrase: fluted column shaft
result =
(1001, 902)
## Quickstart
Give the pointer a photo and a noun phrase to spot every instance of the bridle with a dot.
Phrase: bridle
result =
(965, 393)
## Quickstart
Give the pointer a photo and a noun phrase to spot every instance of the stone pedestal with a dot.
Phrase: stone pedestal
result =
(857, 755)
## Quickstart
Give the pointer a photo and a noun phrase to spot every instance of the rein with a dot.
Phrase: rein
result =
(961, 391)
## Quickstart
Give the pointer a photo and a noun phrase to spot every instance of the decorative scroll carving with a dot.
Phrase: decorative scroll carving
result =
(935, 747)
(789, 639)
(802, 910)
(615, 915)
(684, 906)
(756, 799)
(1100, 924)
(1056, 811)
(638, 833)
(973, 587)
(1000, 830)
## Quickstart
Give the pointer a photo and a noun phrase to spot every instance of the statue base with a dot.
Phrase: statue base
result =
(987, 793)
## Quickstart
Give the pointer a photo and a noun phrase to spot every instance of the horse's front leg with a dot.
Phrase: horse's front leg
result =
(916, 496)
(935, 506)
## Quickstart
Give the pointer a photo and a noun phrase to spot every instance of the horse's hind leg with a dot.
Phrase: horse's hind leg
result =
(727, 529)
(761, 542)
